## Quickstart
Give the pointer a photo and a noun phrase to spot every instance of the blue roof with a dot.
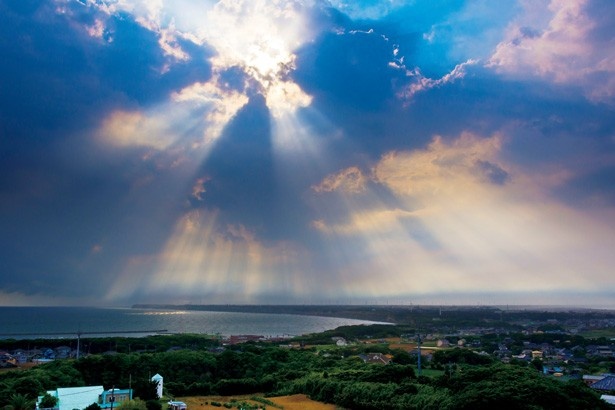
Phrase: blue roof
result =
(608, 383)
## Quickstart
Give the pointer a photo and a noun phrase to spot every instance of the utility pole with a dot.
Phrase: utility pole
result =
(112, 399)
(419, 357)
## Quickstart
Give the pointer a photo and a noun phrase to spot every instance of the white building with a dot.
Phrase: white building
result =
(158, 379)
(70, 398)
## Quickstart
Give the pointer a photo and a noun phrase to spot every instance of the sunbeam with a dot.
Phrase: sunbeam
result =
(249, 151)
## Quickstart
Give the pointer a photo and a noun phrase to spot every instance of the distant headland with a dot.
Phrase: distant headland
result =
(391, 313)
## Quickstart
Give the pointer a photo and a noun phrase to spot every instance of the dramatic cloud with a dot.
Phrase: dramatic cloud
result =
(459, 225)
(572, 47)
(299, 151)
(439, 168)
(222, 105)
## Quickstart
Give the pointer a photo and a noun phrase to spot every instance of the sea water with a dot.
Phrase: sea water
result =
(49, 322)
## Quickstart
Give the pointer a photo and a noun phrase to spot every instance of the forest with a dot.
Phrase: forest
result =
(199, 365)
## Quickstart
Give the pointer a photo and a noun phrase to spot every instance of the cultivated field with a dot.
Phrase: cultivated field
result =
(294, 402)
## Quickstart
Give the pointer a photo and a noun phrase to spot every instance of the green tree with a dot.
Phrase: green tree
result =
(403, 357)
(21, 402)
(153, 405)
(145, 389)
(28, 386)
(513, 387)
(537, 364)
(93, 406)
(48, 401)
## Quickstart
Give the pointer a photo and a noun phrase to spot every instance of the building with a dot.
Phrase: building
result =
(158, 379)
(237, 339)
(590, 379)
(6, 360)
(607, 384)
(114, 397)
(609, 399)
(70, 398)
(378, 358)
(443, 343)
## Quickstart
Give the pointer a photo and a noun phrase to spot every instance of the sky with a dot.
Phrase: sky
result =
(307, 152)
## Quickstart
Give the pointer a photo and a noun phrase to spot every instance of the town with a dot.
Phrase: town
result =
(428, 346)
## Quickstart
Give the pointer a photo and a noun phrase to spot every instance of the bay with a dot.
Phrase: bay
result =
(49, 322)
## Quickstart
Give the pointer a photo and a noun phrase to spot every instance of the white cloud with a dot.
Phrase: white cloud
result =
(135, 128)
(258, 37)
(223, 104)
(421, 83)
(198, 189)
(441, 167)
(262, 41)
(567, 49)
(350, 180)
(366, 222)
(169, 44)
(285, 97)
(97, 29)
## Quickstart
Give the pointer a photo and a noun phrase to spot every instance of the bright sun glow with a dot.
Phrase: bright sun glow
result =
(260, 37)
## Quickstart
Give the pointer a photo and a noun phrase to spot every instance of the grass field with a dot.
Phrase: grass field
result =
(595, 334)
(294, 402)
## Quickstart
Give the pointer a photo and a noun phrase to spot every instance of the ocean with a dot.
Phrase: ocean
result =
(51, 322)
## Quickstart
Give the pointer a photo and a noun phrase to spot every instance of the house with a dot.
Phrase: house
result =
(522, 356)
(20, 355)
(41, 360)
(606, 385)
(378, 358)
(63, 352)
(236, 339)
(6, 360)
(443, 343)
(608, 399)
(590, 379)
(340, 341)
(537, 354)
(177, 405)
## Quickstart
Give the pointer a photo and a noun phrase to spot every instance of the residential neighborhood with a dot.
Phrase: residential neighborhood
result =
(562, 349)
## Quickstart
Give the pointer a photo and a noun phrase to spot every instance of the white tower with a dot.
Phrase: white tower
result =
(158, 379)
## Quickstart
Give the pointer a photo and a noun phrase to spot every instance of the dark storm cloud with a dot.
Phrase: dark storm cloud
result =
(349, 68)
(63, 223)
(57, 79)
(112, 163)
(557, 116)
(240, 178)
(60, 193)
(240, 167)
